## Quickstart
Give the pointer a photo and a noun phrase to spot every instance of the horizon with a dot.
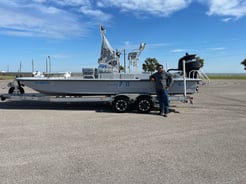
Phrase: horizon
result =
(68, 32)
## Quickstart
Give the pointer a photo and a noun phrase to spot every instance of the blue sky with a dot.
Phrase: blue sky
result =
(68, 32)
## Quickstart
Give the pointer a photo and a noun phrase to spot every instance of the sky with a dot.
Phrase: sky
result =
(68, 32)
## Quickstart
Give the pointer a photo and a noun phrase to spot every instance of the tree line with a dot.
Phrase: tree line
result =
(244, 63)
(150, 64)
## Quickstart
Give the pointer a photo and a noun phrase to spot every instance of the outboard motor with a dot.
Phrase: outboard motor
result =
(191, 64)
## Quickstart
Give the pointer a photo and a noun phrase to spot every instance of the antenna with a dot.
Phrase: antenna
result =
(133, 57)
(142, 46)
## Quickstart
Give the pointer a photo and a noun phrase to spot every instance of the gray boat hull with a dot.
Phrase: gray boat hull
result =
(80, 87)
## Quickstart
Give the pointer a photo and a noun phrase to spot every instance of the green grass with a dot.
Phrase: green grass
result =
(228, 77)
(6, 77)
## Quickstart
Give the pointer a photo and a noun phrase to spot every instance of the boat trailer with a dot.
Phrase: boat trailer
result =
(143, 103)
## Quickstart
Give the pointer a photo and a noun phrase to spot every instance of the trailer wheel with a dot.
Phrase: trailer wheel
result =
(144, 105)
(11, 90)
(121, 104)
(3, 98)
(19, 90)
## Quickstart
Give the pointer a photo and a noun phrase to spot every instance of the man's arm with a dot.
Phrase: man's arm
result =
(152, 77)
(169, 79)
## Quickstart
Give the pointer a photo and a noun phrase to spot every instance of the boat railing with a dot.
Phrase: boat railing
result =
(199, 74)
(176, 72)
(193, 74)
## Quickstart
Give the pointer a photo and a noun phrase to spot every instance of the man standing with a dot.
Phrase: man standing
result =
(162, 80)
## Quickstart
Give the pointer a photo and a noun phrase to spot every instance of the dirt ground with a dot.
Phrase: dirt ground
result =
(203, 142)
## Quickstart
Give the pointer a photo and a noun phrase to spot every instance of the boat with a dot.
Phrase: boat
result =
(107, 78)
(80, 87)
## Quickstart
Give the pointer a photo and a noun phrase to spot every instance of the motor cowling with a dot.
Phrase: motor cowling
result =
(191, 63)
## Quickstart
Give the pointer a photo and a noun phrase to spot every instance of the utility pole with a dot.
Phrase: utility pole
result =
(32, 66)
(49, 64)
(20, 69)
(124, 60)
(46, 66)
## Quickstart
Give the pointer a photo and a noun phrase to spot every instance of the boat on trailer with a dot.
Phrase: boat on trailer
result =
(87, 87)
(107, 80)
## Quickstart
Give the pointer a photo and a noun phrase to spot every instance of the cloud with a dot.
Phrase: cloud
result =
(49, 18)
(96, 14)
(32, 19)
(156, 45)
(128, 45)
(228, 19)
(233, 8)
(163, 8)
(218, 48)
(160, 8)
(73, 18)
(61, 56)
(178, 50)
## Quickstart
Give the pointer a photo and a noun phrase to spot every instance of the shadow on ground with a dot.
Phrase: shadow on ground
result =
(35, 105)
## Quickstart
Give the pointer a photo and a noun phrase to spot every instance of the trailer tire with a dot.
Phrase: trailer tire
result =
(3, 98)
(20, 90)
(121, 104)
(11, 90)
(144, 105)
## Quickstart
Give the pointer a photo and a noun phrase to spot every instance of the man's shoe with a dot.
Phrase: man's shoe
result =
(165, 115)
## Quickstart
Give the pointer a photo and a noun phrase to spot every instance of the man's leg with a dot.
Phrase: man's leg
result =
(166, 101)
(161, 102)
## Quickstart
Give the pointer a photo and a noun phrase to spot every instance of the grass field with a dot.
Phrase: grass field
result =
(227, 76)
(6, 77)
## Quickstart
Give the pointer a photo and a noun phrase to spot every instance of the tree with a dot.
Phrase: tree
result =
(150, 64)
(244, 63)
(200, 60)
(121, 68)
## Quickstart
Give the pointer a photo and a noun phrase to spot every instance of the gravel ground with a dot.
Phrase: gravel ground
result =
(88, 143)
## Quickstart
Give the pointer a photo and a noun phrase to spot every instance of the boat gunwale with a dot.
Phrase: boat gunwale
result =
(96, 79)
